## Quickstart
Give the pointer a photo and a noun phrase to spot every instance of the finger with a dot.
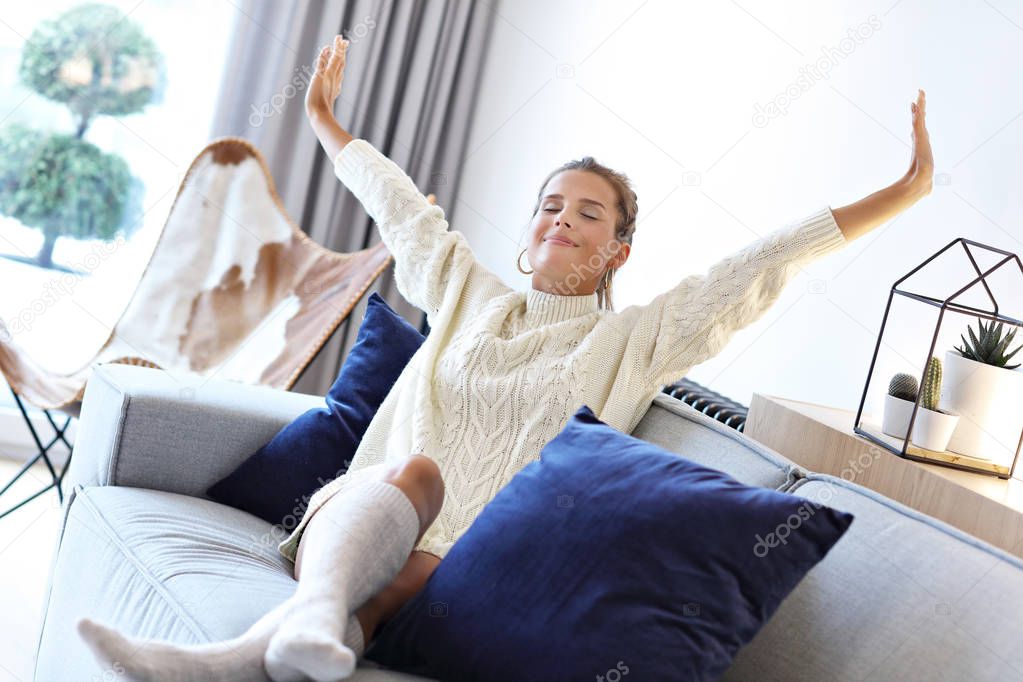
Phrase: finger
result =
(335, 50)
(918, 113)
(336, 66)
(339, 67)
(339, 45)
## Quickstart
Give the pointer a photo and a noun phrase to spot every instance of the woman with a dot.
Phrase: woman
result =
(498, 376)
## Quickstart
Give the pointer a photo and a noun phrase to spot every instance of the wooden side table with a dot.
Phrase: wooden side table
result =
(821, 439)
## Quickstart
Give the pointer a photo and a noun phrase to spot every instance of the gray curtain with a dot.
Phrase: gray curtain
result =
(410, 85)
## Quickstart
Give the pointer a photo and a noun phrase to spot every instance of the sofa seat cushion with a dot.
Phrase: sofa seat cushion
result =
(162, 566)
(902, 597)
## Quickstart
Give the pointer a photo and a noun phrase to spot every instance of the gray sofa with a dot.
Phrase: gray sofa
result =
(900, 597)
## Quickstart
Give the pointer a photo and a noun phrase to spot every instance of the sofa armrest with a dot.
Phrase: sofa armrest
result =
(144, 428)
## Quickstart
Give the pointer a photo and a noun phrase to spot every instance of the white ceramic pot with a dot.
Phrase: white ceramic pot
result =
(988, 399)
(896, 416)
(932, 430)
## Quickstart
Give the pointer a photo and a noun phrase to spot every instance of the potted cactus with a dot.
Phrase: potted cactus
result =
(986, 390)
(934, 426)
(898, 405)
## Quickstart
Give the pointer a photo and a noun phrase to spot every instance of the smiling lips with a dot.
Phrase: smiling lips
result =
(559, 240)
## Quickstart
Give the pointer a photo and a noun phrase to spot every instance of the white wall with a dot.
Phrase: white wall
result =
(666, 92)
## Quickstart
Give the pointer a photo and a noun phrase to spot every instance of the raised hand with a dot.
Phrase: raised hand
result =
(864, 215)
(921, 168)
(325, 85)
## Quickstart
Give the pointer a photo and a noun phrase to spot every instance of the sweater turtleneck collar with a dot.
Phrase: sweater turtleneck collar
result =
(546, 308)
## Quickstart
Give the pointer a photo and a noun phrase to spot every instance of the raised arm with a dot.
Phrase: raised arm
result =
(321, 94)
(431, 264)
(862, 216)
(694, 320)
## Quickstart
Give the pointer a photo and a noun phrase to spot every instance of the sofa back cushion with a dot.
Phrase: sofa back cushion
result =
(677, 427)
(902, 597)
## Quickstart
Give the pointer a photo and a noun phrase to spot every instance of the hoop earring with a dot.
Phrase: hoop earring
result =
(518, 264)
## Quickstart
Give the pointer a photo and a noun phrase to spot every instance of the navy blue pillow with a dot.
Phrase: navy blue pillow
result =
(608, 558)
(276, 481)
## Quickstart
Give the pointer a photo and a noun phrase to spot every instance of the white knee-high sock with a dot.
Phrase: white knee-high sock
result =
(365, 535)
(354, 636)
(353, 640)
(239, 659)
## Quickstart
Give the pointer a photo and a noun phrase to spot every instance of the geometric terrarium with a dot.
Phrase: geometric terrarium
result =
(945, 375)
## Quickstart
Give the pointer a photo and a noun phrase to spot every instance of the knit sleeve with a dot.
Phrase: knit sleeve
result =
(693, 321)
(429, 260)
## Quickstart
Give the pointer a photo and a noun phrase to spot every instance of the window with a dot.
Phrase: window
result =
(61, 315)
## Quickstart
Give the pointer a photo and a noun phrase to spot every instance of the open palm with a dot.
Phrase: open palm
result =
(325, 85)
(921, 168)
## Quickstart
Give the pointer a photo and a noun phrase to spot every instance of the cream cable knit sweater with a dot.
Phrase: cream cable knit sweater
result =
(502, 370)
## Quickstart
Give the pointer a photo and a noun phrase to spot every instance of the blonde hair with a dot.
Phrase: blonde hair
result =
(627, 206)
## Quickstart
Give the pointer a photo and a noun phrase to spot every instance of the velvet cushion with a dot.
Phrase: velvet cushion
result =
(275, 482)
(609, 558)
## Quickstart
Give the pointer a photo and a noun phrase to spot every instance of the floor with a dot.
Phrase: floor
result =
(27, 538)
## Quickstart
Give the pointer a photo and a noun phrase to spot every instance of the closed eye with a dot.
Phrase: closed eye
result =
(588, 217)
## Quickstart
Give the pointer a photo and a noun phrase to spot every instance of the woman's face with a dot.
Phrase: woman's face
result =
(571, 237)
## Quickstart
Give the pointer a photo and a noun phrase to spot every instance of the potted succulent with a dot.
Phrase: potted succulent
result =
(934, 426)
(898, 405)
(986, 391)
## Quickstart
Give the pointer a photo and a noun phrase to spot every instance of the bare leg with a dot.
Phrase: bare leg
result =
(352, 548)
(384, 605)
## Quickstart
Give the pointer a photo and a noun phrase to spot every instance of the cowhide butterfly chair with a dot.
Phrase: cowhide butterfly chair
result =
(233, 288)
